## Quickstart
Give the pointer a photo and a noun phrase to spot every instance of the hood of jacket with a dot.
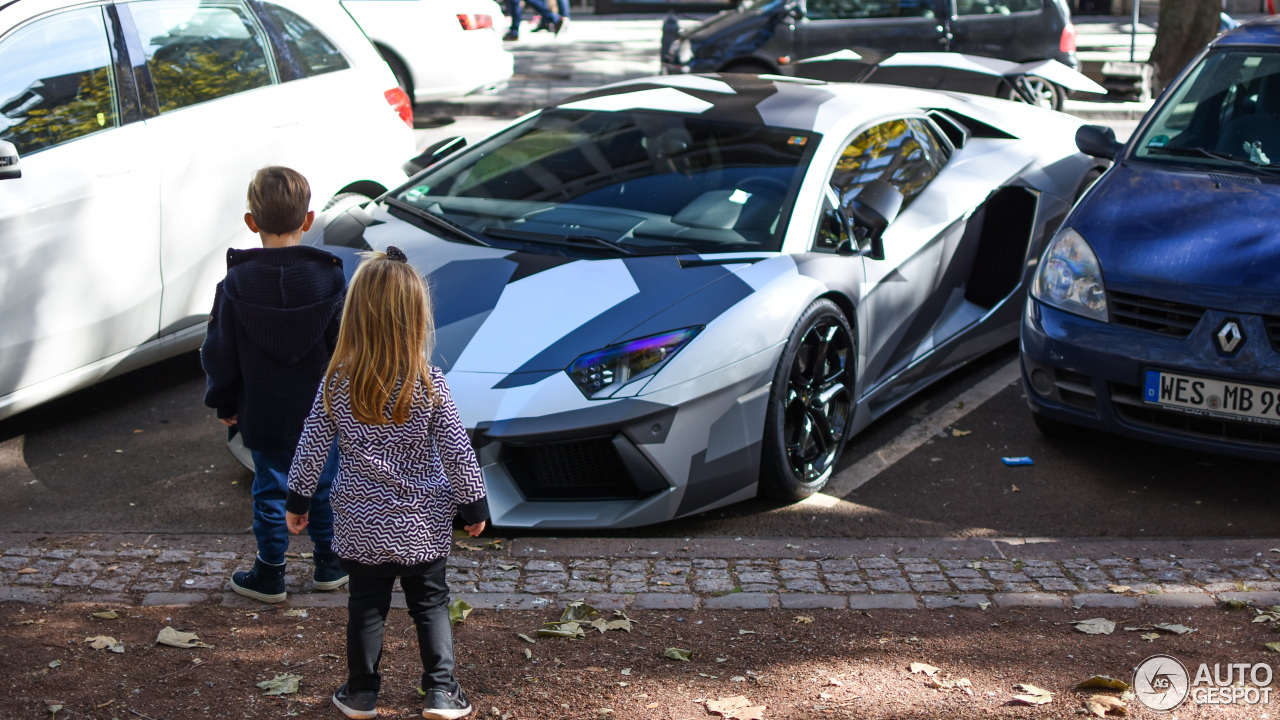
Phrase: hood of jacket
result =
(284, 298)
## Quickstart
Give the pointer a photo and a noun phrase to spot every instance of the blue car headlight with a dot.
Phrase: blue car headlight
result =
(601, 373)
(1069, 277)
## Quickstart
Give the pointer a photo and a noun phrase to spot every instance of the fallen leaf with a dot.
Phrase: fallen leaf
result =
(950, 684)
(281, 684)
(562, 629)
(1234, 604)
(959, 433)
(746, 632)
(626, 671)
(1174, 628)
(975, 565)
(100, 642)
(737, 678)
(528, 654)
(678, 654)
(922, 668)
(803, 619)
(651, 705)
(1272, 646)
(300, 613)
(1013, 488)
(54, 663)
(1102, 681)
(468, 546)
(1031, 695)
(1100, 705)
(458, 611)
(508, 567)
(577, 610)
(174, 638)
(107, 615)
(619, 624)
(736, 707)
(1095, 626)
(28, 571)
(984, 605)
(526, 638)
(52, 709)
(1150, 637)
(1118, 589)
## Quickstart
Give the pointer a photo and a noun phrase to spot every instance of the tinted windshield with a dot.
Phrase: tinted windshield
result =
(645, 181)
(1225, 112)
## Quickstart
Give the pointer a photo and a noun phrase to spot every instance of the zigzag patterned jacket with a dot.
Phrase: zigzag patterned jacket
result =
(398, 486)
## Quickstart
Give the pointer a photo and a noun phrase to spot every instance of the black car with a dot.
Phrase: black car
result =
(765, 36)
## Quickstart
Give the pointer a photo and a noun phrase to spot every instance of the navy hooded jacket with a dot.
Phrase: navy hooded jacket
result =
(271, 333)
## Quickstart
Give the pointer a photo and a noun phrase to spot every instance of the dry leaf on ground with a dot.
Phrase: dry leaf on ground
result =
(1102, 681)
(107, 615)
(1118, 589)
(297, 612)
(1150, 637)
(1095, 626)
(923, 668)
(174, 638)
(803, 619)
(27, 571)
(281, 684)
(678, 654)
(458, 611)
(1031, 695)
(1176, 629)
(1272, 646)
(1100, 705)
(950, 684)
(736, 707)
(100, 642)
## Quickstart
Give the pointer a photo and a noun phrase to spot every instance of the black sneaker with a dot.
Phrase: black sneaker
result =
(360, 705)
(329, 574)
(264, 582)
(510, 37)
(443, 706)
(560, 25)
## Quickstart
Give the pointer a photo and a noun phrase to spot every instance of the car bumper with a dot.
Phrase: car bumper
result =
(1090, 374)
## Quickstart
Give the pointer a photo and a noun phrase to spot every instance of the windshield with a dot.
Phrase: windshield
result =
(746, 5)
(1225, 112)
(634, 182)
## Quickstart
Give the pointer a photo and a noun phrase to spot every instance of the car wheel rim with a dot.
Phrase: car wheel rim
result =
(818, 400)
(1039, 89)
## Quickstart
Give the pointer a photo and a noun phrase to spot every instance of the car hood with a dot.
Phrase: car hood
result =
(1186, 236)
(527, 314)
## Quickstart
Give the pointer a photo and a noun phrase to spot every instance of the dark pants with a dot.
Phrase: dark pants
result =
(427, 596)
(549, 16)
(271, 490)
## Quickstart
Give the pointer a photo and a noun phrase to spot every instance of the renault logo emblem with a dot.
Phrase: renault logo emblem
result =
(1230, 338)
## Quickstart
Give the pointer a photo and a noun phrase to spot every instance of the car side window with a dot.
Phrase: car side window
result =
(197, 52)
(831, 231)
(997, 7)
(314, 53)
(57, 84)
(853, 9)
(905, 153)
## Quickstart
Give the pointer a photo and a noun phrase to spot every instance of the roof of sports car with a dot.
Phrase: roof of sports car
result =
(765, 99)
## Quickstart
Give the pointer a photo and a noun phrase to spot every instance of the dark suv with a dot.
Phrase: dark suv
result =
(764, 36)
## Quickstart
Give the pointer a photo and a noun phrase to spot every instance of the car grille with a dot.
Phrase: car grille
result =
(577, 470)
(1160, 316)
(1273, 331)
(1128, 404)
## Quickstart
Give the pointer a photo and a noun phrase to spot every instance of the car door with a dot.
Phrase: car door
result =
(216, 121)
(79, 231)
(1007, 29)
(913, 299)
(885, 25)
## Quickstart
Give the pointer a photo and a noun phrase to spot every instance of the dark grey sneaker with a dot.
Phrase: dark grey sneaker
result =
(329, 574)
(264, 582)
(359, 705)
(443, 706)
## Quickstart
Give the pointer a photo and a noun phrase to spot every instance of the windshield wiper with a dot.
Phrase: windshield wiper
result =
(436, 221)
(1215, 154)
(566, 240)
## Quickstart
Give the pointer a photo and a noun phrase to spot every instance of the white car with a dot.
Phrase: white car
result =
(137, 127)
(437, 48)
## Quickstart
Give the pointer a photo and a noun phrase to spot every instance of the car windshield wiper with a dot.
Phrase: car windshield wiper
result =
(1215, 154)
(436, 221)
(566, 240)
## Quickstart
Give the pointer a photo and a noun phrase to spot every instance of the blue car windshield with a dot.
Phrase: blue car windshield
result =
(638, 182)
(1225, 112)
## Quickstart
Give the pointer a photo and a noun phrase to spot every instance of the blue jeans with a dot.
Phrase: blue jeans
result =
(549, 16)
(271, 489)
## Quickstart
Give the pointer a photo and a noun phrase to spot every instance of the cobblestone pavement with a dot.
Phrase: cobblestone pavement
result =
(723, 573)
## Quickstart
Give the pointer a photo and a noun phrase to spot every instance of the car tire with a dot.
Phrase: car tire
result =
(345, 199)
(1047, 94)
(1056, 429)
(804, 433)
(403, 78)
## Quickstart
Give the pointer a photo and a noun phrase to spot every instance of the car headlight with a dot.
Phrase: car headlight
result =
(684, 52)
(1069, 277)
(601, 373)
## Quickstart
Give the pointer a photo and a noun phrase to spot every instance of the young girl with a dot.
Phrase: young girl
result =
(405, 466)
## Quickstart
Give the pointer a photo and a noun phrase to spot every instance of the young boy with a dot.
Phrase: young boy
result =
(272, 330)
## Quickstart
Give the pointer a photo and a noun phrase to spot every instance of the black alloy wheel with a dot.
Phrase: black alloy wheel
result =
(810, 405)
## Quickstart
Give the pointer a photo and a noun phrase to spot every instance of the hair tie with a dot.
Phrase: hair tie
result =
(395, 253)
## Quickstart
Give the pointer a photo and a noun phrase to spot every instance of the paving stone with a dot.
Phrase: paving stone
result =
(37, 580)
(629, 577)
(137, 553)
(1169, 576)
(1236, 562)
(111, 583)
(1093, 575)
(877, 563)
(551, 583)
(155, 599)
(804, 586)
(153, 586)
(665, 586)
(938, 602)
(488, 574)
(882, 574)
(1215, 587)
(786, 575)
(630, 566)
(1154, 564)
(1264, 598)
(319, 600)
(1107, 600)
(1211, 576)
(60, 554)
(462, 587)
(233, 600)
(1090, 586)
(97, 599)
(1028, 600)
(712, 574)
(1142, 588)
(626, 587)
(738, 601)
(206, 582)
(712, 585)
(789, 564)
(496, 587)
(12, 562)
(889, 601)
(591, 564)
(1037, 562)
(897, 585)
(1057, 584)
(1077, 563)
(918, 568)
(1180, 600)
(580, 586)
(505, 601)
(847, 587)
(999, 565)
(1128, 574)
(971, 584)
(955, 564)
(844, 578)
(1269, 585)
(1018, 587)
(544, 566)
(1001, 576)
(753, 563)
(31, 596)
(1251, 573)
(175, 556)
(456, 561)
(1115, 562)
(223, 555)
(456, 575)
(48, 566)
(211, 567)
(812, 601)
(931, 587)
(1043, 572)
(1196, 564)
(756, 577)
(759, 587)
(664, 601)
(604, 602)
(25, 551)
(913, 560)
(838, 566)
(963, 573)
(73, 579)
(709, 564)
(925, 577)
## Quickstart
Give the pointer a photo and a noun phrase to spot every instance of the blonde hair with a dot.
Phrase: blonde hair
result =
(278, 199)
(385, 342)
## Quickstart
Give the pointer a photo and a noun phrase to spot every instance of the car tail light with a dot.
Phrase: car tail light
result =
(400, 102)
(1068, 41)
(475, 21)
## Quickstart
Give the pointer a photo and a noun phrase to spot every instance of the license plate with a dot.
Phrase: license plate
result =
(1216, 398)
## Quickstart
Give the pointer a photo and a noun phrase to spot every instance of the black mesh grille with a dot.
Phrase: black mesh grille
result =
(577, 470)
(1160, 316)
(1129, 407)
(1273, 331)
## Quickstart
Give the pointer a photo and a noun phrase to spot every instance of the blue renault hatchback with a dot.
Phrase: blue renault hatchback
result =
(1155, 310)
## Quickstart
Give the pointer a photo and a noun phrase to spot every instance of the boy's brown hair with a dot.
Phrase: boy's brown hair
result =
(278, 199)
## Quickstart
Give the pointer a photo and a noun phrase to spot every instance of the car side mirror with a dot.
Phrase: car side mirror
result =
(793, 12)
(10, 168)
(1098, 141)
(434, 153)
(876, 206)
